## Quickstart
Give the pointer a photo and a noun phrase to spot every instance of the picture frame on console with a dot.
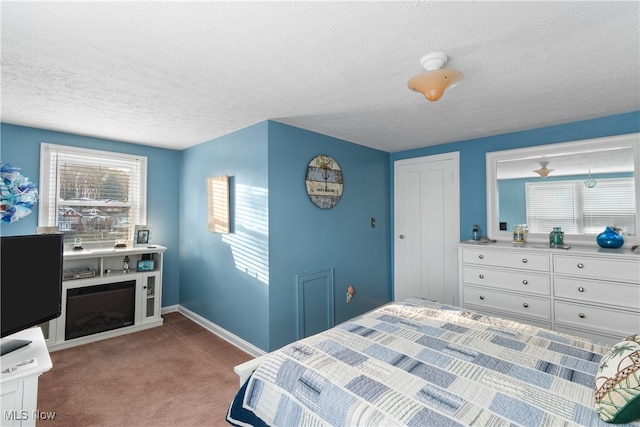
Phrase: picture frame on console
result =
(145, 265)
(141, 235)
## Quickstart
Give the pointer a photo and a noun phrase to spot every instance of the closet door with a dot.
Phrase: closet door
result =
(427, 227)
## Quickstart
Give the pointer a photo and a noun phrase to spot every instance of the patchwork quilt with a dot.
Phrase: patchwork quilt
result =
(421, 363)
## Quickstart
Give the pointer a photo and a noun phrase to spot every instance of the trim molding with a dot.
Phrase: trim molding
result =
(312, 296)
(243, 345)
(169, 309)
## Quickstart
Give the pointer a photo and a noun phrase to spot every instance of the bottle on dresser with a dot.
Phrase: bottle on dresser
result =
(475, 233)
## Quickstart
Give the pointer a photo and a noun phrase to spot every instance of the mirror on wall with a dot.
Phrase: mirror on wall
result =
(580, 186)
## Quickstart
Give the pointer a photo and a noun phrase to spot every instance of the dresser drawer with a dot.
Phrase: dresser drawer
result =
(508, 280)
(521, 305)
(599, 292)
(602, 268)
(622, 323)
(508, 259)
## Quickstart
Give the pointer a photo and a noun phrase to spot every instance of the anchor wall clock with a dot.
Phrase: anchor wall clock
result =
(324, 181)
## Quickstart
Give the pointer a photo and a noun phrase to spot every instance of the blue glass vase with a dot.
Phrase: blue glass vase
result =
(610, 238)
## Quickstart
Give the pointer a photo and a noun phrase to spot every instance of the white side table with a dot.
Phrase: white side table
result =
(19, 388)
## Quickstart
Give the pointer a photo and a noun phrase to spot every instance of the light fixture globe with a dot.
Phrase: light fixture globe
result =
(590, 182)
(435, 80)
(543, 171)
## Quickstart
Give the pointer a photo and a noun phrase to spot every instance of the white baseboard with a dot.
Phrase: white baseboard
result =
(221, 332)
(169, 309)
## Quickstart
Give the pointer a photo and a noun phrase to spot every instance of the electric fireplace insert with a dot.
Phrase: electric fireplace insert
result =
(99, 308)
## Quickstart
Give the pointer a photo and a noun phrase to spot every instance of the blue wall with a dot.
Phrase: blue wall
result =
(304, 238)
(245, 281)
(473, 206)
(20, 146)
(225, 277)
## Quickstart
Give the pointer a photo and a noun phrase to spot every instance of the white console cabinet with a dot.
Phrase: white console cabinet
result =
(107, 265)
(585, 291)
(19, 385)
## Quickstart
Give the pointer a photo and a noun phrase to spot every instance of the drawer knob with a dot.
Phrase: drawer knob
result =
(525, 305)
(481, 276)
(580, 265)
(580, 289)
(525, 282)
(481, 256)
(581, 315)
(524, 260)
(482, 297)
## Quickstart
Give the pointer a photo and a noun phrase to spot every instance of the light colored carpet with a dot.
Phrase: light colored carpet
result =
(178, 374)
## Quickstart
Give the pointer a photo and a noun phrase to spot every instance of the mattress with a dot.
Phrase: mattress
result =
(421, 363)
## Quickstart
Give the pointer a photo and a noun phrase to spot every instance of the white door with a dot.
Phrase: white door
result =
(427, 227)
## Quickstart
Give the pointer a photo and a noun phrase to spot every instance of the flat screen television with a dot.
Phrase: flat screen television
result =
(31, 284)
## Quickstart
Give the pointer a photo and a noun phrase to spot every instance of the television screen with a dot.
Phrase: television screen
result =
(31, 280)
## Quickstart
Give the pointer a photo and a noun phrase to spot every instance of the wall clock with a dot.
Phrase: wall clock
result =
(324, 181)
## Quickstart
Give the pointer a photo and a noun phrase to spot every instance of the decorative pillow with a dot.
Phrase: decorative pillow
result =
(618, 382)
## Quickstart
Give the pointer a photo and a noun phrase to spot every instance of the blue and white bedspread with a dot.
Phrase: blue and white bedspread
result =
(421, 363)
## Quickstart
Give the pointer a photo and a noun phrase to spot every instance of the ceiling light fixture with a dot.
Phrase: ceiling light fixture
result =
(543, 171)
(433, 82)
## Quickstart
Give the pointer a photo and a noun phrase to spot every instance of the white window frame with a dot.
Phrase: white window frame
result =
(49, 188)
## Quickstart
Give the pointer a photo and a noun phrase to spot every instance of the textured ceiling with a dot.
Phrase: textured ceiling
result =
(175, 74)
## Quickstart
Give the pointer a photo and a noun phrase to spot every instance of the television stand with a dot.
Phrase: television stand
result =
(109, 272)
(9, 345)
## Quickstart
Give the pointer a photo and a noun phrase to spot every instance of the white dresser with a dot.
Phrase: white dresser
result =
(585, 290)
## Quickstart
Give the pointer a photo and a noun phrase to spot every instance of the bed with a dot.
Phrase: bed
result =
(421, 363)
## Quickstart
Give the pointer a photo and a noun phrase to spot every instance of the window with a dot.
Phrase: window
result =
(580, 210)
(98, 196)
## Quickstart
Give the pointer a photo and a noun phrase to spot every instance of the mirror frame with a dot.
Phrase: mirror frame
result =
(631, 140)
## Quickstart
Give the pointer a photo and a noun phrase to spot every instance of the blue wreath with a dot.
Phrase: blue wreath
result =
(18, 194)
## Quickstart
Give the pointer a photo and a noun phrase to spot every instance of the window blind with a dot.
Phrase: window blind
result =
(94, 195)
(581, 210)
(610, 202)
(551, 204)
